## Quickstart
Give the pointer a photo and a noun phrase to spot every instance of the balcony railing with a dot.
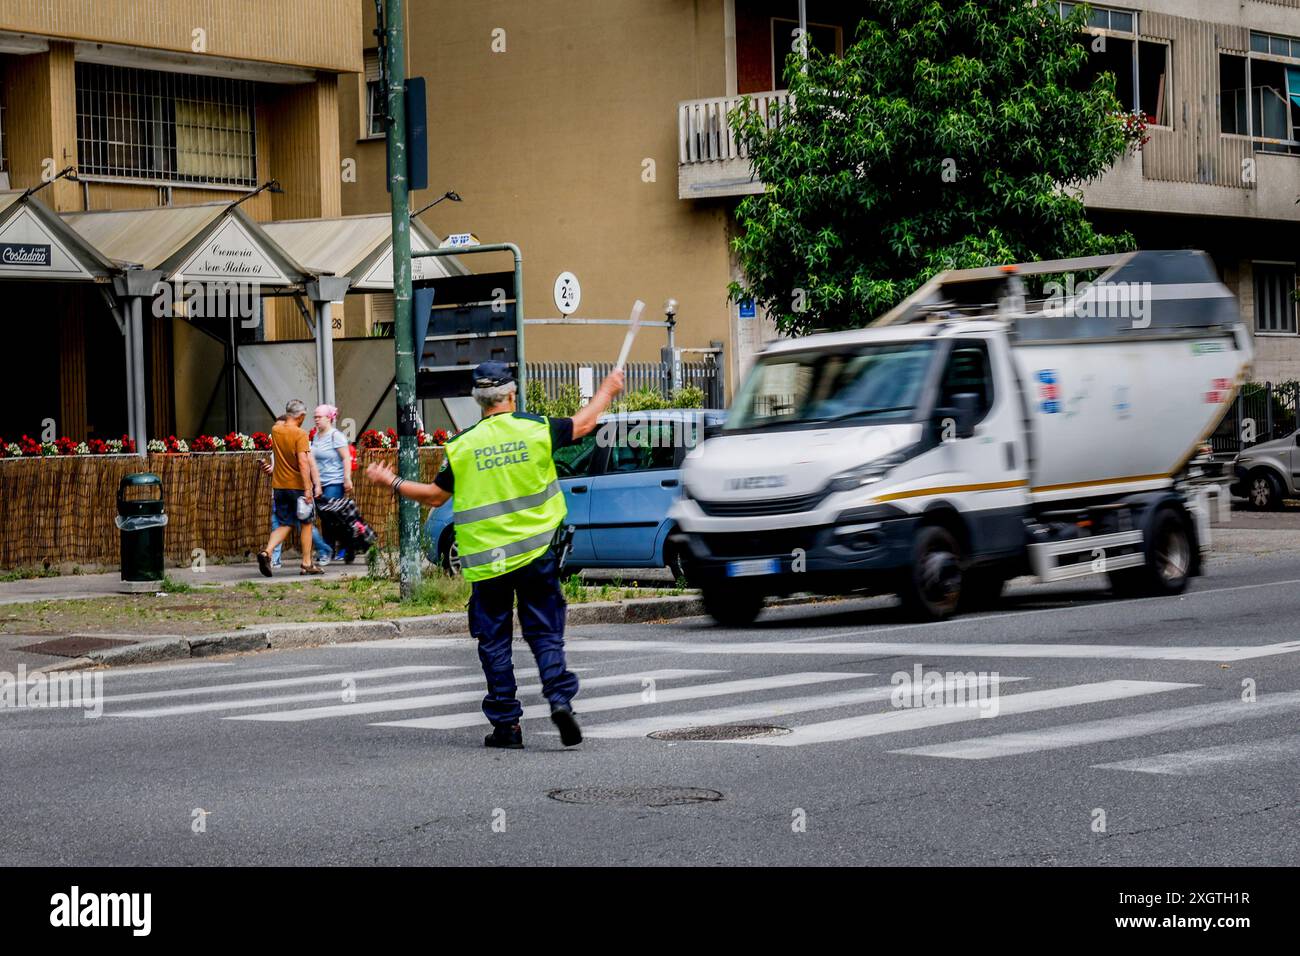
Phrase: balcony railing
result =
(705, 136)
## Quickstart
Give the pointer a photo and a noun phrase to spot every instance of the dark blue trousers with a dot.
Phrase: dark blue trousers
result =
(541, 618)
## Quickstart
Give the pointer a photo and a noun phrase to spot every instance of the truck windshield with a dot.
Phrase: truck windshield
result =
(871, 382)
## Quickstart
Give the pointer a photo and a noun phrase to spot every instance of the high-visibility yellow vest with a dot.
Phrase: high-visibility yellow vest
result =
(507, 497)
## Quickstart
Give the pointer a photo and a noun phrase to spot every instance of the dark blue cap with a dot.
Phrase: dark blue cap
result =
(492, 374)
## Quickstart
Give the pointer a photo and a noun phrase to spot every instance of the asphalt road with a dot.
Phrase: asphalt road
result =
(1121, 737)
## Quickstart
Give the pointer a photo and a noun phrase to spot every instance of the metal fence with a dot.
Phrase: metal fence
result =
(1261, 413)
(706, 376)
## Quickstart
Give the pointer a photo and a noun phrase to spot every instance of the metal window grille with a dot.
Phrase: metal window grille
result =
(4, 161)
(167, 127)
(1275, 302)
(374, 96)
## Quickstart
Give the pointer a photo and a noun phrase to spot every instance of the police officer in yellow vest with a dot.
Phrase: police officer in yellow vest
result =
(509, 516)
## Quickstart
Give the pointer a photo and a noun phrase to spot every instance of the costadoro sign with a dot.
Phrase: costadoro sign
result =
(25, 254)
(230, 253)
(28, 250)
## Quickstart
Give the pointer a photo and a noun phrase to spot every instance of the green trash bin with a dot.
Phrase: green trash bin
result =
(141, 521)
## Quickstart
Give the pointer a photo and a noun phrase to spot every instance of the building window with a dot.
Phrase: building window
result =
(1275, 297)
(1259, 94)
(374, 118)
(1104, 18)
(1274, 45)
(165, 127)
(822, 37)
(1140, 67)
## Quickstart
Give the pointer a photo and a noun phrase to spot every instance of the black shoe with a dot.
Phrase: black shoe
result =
(506, 738)
(570, 732)
(264, 563)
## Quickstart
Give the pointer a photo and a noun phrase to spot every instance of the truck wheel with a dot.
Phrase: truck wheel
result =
(1168, 560)
(981, 589)
(1264, 491)
(931, 588)
(732, 607)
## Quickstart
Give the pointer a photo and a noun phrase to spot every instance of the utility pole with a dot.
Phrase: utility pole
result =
(408, 459)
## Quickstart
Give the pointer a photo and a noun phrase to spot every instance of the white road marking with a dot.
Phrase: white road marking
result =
(896, 721)
(245, 703)
(773, 709)
(883, 649)
(254, 685)
(1111, 728)
(463, 697)
(665, 695)
(1187, 763)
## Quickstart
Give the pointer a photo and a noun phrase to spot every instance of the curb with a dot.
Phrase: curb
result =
(317, 634)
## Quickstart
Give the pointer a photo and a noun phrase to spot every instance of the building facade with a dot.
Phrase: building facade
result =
(157, 104)
(1219, 81)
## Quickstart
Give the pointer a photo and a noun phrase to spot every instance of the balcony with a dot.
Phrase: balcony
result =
(710, 161)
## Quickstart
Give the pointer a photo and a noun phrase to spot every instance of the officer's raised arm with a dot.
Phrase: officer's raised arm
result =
(584, 422)
(430, 495)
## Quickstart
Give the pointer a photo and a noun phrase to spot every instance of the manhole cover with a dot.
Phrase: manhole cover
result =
(722, 732)
(73, 646)
(637, 796)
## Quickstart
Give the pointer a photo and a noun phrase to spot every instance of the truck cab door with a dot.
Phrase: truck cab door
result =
(986, 466)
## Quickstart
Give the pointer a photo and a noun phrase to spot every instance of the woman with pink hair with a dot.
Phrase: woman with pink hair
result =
(331, 457)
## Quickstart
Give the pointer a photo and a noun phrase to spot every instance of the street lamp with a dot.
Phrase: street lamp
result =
(449, 194)
(670, 316)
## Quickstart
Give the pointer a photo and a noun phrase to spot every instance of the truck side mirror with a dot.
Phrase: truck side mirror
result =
(958, 420)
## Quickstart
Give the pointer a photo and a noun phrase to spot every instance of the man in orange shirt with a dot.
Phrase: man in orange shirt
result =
(291, 477)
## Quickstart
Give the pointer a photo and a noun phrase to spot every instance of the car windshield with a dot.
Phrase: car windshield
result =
(870, 382)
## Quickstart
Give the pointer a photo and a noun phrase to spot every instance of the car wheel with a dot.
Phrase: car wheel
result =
(1169, 559)
(448, 553)
(931, 588)
(1264, 491)
(674, 562)
(731, 606)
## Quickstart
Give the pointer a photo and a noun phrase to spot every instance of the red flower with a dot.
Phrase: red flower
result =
(370, 439)
(261, 441)
(172, 445)
(232, 442)
(128, 444)
(65, 445)
(203, 443)
(392, 436)
(29, 445)
(97, 446)
(440, 436)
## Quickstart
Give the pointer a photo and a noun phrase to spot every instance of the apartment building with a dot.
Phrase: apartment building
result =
(156, 105)
(1219, 81)
(562, 124)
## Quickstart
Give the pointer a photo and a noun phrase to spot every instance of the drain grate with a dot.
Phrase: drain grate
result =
(77, 646)
(636, 796)
(722, 732)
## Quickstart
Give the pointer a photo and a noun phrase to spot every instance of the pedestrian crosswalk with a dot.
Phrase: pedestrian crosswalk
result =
(995, 717)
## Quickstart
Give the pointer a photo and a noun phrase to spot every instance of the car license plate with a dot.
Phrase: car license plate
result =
(749, 569)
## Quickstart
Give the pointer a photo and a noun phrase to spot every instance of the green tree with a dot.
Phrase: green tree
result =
(949, 135)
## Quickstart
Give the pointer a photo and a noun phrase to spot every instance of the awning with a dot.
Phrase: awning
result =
(36, 244)
(359, 247)
(209, 242)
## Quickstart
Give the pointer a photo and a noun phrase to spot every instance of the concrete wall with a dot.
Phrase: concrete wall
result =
(547, 143)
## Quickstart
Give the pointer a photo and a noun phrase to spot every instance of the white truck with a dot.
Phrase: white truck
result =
(999, 422)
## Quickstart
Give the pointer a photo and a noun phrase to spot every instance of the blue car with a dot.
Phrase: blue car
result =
(618, 483)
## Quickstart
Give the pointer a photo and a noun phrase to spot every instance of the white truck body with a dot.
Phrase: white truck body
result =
(1080, 429)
